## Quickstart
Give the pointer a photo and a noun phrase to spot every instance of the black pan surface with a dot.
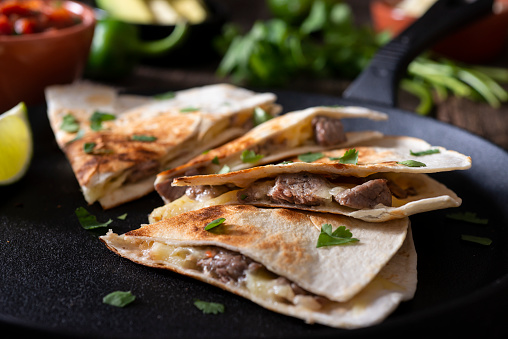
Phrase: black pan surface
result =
(54, 274)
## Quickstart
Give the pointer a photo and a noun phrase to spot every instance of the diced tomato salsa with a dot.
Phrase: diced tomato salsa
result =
(18, 17)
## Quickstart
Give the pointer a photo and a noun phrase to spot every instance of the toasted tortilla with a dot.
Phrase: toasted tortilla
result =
(121, 169)
(358, 284)
(377, 159)
(284, 136)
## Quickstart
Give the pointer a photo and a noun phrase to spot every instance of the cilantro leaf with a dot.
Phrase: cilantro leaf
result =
(340, 236)
(209, 307)
(98, 118)
(69, 124)
(189, 109)
(349, 157)
(411, 163)
(88, 147)
(427, 152)
(468, 217)
(260, 116)
(166, 95)
(78, 136)
(122, 217)
(310, 157)
(215, 160)
(89, 221)
(250, 156)
(224, 169)
(146, 138)
(214, 223)
(479, 240)
(119, 298)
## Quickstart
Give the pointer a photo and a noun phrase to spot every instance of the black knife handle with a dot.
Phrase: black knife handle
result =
(378, 83)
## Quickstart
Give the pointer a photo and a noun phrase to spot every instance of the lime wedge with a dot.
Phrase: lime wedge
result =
(15, 144)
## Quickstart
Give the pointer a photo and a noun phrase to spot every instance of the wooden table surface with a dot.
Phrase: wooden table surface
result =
(478, 118)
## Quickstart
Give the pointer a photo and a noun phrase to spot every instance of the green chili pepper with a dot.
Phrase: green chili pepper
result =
(116, 48)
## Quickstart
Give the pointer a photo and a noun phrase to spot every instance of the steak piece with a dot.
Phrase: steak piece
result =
(204, 192)
(171, 193)
(299, 188)
(142, 171)
(328, 131)
(227, 265)
(366, 195)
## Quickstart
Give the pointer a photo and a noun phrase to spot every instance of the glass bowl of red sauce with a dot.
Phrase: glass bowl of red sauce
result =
(42, 43)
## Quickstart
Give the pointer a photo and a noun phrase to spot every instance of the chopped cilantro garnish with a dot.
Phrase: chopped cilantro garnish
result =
(215, 160)
(166, 95)
(349, 157)
(189, 109)
(88, 147)
(250, 156)
(260, 116)
(468, 217)
(122, 217)
(310, 157)
(205, 152)
(479, 240)
(340, 236)
(411, 163)
(78, 136)
(224, 169)
(119, 298)
(213, 224)
(89, 221)
(98, 118)
(243, 196)
(146, 138)
(209, 307)
(427, 152)
(69, 124)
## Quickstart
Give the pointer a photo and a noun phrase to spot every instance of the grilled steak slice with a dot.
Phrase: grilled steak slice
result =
(227, 265)
(299, 188)
(367, 195)
(328, 131)
(204, 192)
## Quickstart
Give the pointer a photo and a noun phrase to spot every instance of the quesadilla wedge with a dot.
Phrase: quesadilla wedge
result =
(379, 187)
(269, 256)
(116, 144)
(310, 130)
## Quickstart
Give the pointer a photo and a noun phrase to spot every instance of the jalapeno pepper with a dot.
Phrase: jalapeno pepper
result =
(116, 48)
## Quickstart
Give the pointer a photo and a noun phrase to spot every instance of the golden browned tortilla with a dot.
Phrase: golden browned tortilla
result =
(284, 136)
(326, 185)
(270, 257)
(119, 162)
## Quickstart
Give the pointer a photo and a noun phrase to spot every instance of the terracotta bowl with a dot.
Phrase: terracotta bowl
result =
(481, 41)
(29, 63)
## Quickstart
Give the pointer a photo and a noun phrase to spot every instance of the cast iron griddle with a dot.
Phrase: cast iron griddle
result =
(54, 274)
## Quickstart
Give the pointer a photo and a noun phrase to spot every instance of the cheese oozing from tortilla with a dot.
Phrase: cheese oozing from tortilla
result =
(425, 194)
(396, 282)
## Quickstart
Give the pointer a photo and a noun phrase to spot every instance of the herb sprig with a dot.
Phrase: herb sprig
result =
(327, 43)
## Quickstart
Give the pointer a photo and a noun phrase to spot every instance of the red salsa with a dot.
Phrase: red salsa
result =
(18, 17)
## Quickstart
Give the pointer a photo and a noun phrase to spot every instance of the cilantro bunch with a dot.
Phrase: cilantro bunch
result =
(327, 44)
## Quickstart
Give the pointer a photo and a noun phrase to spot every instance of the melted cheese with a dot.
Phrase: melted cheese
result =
(261, 283)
